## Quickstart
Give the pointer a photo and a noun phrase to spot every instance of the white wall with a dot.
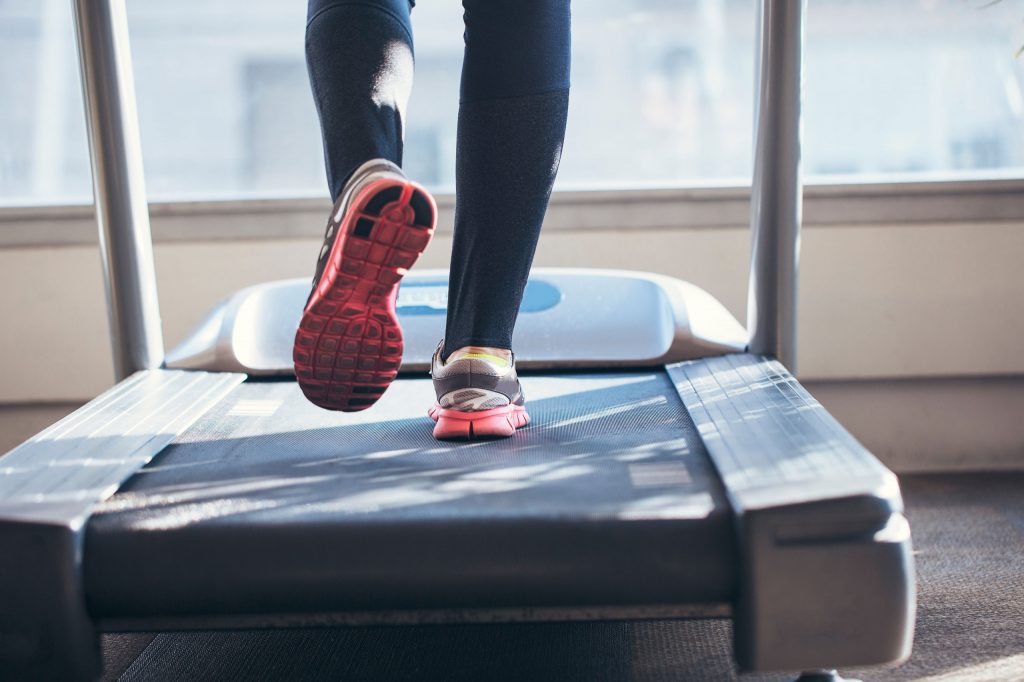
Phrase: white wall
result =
(904, 329)
(876, 301)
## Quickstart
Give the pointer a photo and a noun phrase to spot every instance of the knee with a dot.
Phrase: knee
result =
(530, 11)
(399, 9)
(518, 22)
(336, 29)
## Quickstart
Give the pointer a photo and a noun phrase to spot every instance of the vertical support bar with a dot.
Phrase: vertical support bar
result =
(126, 246)
(777, 189)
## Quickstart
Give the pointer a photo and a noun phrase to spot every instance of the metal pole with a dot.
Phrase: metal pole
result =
(777, 189)
(126, 246)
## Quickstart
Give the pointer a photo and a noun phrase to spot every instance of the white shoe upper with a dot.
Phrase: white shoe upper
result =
(473, 382)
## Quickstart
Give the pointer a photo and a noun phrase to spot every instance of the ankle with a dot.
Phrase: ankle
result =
(481, 351)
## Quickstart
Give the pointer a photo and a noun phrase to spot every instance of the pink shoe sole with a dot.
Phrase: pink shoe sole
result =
(348, 347)
(499, 422)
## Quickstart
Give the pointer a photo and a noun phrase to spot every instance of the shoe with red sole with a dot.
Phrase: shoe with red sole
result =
(478, 396)
(348, 347)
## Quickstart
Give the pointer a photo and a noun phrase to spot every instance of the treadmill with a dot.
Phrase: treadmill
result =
(674, 468)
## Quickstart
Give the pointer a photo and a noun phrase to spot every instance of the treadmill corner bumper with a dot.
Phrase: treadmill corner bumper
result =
(827, 585)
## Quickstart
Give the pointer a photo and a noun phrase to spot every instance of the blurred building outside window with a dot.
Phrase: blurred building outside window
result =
(662, 96)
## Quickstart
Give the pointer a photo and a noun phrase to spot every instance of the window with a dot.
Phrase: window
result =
(662, 95)
(43, 155)
(923, 86)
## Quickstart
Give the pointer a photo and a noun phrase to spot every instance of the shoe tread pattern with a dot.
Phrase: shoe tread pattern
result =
(348, 347)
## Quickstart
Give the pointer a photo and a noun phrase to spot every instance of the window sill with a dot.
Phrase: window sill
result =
(670, 208)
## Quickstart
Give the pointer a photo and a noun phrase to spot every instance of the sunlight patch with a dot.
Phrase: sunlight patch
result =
(255, 408)
(658, 474)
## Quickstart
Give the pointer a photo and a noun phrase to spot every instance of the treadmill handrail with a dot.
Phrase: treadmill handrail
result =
(119, 188)
(777, 196)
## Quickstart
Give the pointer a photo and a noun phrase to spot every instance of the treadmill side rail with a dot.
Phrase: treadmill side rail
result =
(827, 576)
(48, 487)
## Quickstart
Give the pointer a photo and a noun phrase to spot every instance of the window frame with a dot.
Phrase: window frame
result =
(685, 208)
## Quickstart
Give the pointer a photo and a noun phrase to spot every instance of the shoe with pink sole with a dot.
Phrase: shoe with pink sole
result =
(478, 395)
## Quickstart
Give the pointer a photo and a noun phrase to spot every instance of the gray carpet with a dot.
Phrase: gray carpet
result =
(969, 539)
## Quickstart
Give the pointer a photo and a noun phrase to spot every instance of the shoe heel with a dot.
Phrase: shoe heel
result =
(497, 423)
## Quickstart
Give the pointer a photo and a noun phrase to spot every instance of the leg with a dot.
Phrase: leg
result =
(515, 93)
(348, 346)
(360, 59)
(514, 101)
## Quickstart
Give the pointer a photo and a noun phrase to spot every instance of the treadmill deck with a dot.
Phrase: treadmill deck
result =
(270, 505)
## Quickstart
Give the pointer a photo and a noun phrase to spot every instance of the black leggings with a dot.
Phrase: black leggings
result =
(512, 110)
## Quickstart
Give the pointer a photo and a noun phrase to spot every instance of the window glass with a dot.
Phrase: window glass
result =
(662, 95)
(43, 154)
(922, 86)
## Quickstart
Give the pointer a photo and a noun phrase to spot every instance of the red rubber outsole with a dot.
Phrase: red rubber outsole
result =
(499, 422)
(348, 346)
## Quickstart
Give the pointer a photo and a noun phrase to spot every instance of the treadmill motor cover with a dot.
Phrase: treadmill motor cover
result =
(568, 318)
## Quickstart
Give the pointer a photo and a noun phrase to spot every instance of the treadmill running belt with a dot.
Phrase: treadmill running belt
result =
(269, 505)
